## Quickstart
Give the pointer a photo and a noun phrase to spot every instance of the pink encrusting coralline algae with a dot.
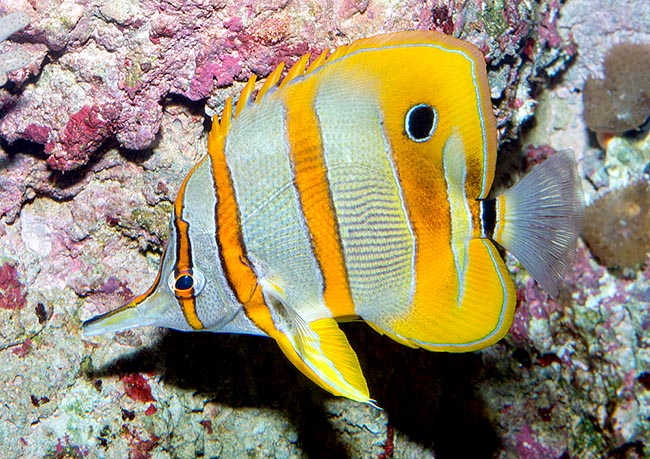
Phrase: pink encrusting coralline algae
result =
(116, 67)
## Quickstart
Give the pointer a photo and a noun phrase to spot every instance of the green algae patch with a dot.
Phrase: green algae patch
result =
(154, 219)
(586, 438)
(494, 20)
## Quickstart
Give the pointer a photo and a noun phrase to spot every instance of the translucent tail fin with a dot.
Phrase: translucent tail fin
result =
(539, 219)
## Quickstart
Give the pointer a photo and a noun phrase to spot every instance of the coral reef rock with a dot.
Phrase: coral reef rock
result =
(97, 133)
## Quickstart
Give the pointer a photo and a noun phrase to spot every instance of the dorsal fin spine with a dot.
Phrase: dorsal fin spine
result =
(245, 95)
(271, 81)
(320, 60)
(226, 116)
(338, 52)
(220, 127)
(296, 70)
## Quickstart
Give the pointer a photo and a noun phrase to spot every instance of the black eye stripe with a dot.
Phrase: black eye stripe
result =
(420, 122)
(184, 282)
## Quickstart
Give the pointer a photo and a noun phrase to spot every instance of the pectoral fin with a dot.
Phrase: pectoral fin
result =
(322, 352)
(319, 349)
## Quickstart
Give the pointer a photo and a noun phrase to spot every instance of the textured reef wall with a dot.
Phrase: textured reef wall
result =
(111, 66)
(98, 131)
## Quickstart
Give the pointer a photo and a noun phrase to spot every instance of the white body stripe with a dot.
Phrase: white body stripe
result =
(273, 226)
(461, 215)
(389, 155)
(199, 210)
(378, 244)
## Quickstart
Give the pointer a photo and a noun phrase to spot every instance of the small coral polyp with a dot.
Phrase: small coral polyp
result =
(16, 58)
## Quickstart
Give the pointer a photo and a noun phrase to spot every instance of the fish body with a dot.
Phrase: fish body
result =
(358, 188)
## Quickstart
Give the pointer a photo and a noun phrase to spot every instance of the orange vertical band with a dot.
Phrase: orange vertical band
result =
(310, 172)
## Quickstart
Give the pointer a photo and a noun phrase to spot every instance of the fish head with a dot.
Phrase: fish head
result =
(190, 291)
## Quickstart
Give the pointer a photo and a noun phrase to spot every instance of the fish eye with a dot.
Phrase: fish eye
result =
(184, 282)
(187, 283)
(420, 122)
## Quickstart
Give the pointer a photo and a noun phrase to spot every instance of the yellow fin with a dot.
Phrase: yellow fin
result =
(245, 95)
(320, 60)
(481, 319)
(296, 70)
(338, 52)
(319, 349)
(337, 350)
(393, 336)
(270, 82)
(220, 127)
(323, 354)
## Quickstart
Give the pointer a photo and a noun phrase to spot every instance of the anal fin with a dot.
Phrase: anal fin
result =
(319, 349)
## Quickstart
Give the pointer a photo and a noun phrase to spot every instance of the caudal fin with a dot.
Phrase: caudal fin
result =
(538, 220)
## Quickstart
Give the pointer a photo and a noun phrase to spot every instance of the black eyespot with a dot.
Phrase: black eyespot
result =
(420, 122)
(184, 282)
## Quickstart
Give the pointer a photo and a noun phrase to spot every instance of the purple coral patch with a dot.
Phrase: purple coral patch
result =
(223, 73)
(519, 327)
(530, 447)
(37, 133)
(12, 296)
(137, 388)
(83, 134)
(538, 302)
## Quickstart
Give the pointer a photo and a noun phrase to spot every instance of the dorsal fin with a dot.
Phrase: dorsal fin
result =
(220, 128)
(320, 60)
(221, 124)
(338, 52)
(245, 95)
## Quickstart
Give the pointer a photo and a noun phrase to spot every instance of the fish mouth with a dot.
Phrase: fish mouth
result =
(122, 318)
(141, 311)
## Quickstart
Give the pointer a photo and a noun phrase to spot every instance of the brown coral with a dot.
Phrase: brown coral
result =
(620, 102)
(617, 226)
